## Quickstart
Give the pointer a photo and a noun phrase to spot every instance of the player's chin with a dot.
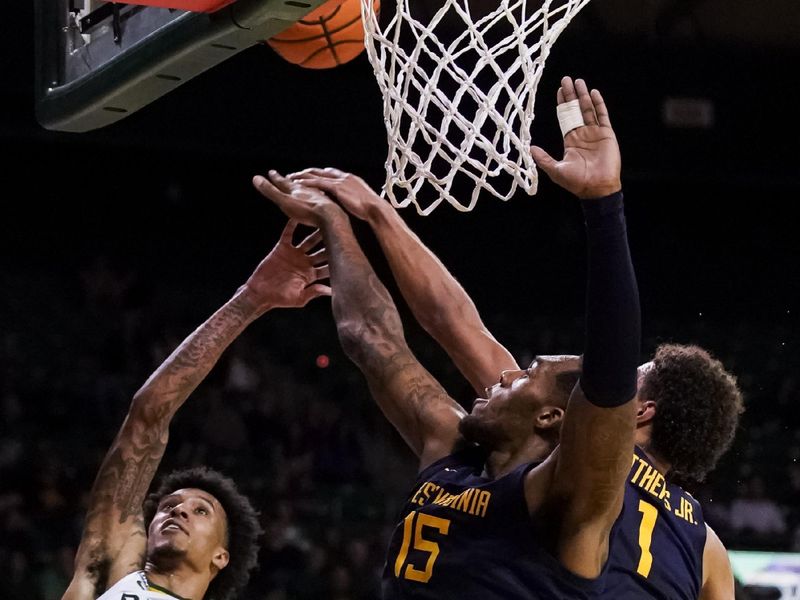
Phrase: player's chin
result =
(473, 429)
(478, 404)
(167, 547)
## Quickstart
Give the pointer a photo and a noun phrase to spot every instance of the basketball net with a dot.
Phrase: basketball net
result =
(443, 122)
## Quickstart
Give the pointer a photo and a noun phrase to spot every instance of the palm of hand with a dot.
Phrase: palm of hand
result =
(282, 277)
(591, 162)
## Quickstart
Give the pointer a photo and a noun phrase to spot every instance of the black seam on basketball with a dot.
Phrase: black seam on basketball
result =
(329, 39)
(343, 26)
(318, 35)
(327, 36)
(323, 48)
(323, 18)
(299, 40)
(313, 54)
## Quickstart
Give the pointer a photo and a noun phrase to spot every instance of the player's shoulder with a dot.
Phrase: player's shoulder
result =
(714, 546)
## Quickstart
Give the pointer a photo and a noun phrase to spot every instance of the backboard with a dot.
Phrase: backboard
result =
(97, 62)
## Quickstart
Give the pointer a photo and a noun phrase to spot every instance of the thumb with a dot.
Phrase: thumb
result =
(544, 161)
(266, 188)
(315, 291)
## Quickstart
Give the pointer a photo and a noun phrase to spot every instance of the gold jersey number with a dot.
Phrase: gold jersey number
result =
(649, 516)
(413, 527)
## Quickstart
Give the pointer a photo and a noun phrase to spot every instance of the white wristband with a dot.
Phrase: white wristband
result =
(569, 116)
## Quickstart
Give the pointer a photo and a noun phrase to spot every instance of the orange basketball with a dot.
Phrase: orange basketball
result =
(328, 36)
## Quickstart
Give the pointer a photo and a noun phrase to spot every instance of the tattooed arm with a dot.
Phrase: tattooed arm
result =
(370, 330)
(114, 537)
(438, 301)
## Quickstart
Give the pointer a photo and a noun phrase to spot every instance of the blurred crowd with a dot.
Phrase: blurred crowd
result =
(289, 418)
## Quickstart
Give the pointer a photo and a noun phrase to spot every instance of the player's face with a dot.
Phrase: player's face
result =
(513, 403)
(189, 524)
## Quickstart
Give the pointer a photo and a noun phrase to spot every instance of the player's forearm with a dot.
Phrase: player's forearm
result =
(172, 383)
(433, 294)
(132, 461)
(613, 320)
(438, 301)
(371, 334)
(114, 520)
(367, 321)
(597, 433)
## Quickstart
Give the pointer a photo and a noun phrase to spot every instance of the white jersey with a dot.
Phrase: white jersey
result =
(136, 587)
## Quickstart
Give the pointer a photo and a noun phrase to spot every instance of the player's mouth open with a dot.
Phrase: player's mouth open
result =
(173, 526)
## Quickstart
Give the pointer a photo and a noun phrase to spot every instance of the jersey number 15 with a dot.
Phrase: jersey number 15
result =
(414, 523)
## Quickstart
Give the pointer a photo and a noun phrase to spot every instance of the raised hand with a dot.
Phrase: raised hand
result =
(349, 190)
(289, 276)
(591, 165)
(306, 205)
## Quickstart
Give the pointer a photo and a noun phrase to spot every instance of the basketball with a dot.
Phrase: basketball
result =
(327, 37)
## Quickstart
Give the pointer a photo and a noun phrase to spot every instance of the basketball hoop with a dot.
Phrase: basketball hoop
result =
(443, 122)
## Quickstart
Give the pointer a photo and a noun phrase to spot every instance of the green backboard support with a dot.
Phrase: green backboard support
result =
(98, 62)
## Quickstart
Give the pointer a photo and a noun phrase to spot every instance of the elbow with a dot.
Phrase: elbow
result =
(354, 338)
(149, 409)
(364, 341)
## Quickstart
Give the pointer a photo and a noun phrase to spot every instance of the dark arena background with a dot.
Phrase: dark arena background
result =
(117, 243)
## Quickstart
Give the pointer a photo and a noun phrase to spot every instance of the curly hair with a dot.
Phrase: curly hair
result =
(242, 532)
(698, 404)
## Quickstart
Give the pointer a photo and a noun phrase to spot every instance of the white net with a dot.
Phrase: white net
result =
(458, 95)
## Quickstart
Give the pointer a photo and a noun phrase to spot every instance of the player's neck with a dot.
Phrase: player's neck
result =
(503, 460)
(180, 580)
(659, 463)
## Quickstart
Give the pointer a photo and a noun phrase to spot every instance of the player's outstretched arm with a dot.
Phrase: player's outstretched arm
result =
(114, 537)
(718, 581)
(370, 329)
(438, 301)
(594, 456)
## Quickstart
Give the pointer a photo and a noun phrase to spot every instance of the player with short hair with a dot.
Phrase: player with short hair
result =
(487, 520)
(197, 535)
(688, 405)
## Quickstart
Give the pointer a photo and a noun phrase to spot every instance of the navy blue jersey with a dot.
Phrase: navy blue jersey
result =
(657, 542)
(467, 536)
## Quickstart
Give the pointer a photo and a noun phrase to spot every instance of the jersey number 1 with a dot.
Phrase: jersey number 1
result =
(649, 516)
(420, 543)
